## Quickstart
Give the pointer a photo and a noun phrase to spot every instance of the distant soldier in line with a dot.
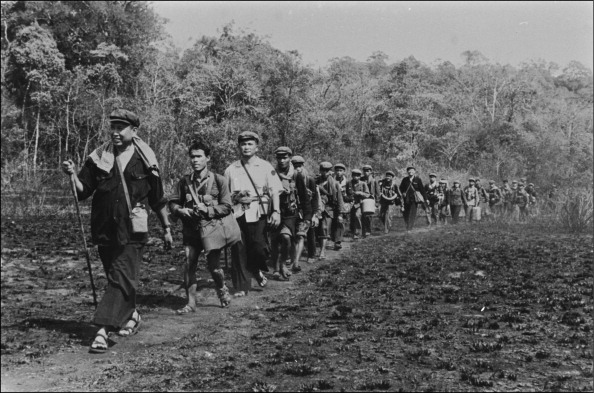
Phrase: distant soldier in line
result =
(506, 197)
(514, 212)
(408, 187)
(331, 197)
(213, 201)
(255, 188)
(483, 199)
(532, 205)
(456, 199)
(495, 199)
(121, 175)
(520, 201)
(356, 191)
(432, 210)
(389, 196)
(295, 211)
(443, 204)
(316, 208)
(340, 225)
(373, 186)
(472, 207)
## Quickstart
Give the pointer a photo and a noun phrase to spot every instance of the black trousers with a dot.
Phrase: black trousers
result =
(249, 255)
(410, 214)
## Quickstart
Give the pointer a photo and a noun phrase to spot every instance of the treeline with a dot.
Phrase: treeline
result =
(66, 65)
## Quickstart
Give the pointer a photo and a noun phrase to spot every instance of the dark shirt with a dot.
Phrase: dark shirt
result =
(110, 222)
(408, 188)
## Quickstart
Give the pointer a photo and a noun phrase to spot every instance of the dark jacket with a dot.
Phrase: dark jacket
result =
(351, 188)
(408, 189)
(373, 186)
(110, 222)
(331, 196)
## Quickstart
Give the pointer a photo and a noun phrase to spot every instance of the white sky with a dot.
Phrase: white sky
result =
(505, 32)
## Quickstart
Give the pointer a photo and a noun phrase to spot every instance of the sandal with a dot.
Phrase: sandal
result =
(285, 272)
(99, 345)
(296, 269)
(322, 257)
(131, 327)
(279, 277)
(262, 280)
(224, 296)
(239, 294)
(185, 310)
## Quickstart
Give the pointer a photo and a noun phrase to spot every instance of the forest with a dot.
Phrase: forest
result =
(66, 65)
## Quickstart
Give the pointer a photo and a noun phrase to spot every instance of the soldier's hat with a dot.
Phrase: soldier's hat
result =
(410, 167)
(356, 171)
(505, 180)
(471, 179)
(432, 175)
(523, 179)
(520, 184)
(531, 184)
(444, 181)
(283, 151)
(366, 167)
(390, 173)
(325, 165)
(339, 166)
(297, 160)
(456, 182)
(124, 116)
(491, 181)
(248, 135)
(477, 180)
(514, 182)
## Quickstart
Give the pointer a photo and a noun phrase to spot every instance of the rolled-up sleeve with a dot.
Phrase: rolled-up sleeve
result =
(88, 179)
(156, 196)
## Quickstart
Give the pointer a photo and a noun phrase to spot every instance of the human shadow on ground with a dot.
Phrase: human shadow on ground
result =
(80, 333)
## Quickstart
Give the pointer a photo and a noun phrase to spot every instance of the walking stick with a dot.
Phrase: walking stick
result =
(82, 233)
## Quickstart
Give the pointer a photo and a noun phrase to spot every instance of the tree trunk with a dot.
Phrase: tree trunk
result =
(36, 141)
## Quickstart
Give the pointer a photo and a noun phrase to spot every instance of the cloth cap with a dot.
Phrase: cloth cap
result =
(523, 179)
(248, 135)
(339, 166)
(297, 160)
(505, 181)
(477, 179)
(124, 116)
(491, 181)
(390, 173)
(356, 172)
(531, 184)
(444, 181)
(411, 167)
(432, 175)
(521, 184)
(283, 150)
(325, 165)
(456, 182)
(514, 182)
(471, 179)
(364, 167)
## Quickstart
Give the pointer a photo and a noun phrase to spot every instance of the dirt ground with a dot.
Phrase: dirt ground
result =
(468, 307)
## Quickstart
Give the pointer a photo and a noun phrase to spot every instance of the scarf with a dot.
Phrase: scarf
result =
(104, 158)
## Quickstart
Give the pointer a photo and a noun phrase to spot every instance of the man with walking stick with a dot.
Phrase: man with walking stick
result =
(121, 175)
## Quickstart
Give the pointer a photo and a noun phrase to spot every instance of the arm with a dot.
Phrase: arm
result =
(178, 200)
(86, 181)
(158, 204)
(339, 206)
(304, 198)
(224, 199)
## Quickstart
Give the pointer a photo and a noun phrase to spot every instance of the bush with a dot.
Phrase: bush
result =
(573, 210)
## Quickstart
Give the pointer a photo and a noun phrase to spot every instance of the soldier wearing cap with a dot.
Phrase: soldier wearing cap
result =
(389, 196)
(442, 201)
(483, 199)
(332, 203)
(433, 199)
(295, 211)
(495, 199)
(255, 189)
(374, 192)
(340, 226)
(472, 208)
(356, 191)
(457, 200)
(506, 197)
(121, 175)
(413, 191)
(316, 208)
(520, 202)
(532, 207)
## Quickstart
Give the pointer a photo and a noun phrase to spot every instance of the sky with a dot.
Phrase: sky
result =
(504, 32)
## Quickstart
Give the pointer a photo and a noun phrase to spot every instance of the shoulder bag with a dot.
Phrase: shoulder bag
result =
(216, 233)
(138, 215)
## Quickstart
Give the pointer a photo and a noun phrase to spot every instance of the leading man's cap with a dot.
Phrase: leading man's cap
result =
(124, 116)
(325, 165)
(432, 175)
(248, 135)
(340, 166)
(283, 150)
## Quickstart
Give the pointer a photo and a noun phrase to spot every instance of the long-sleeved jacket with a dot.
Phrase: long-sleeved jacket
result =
(431, 192)
(456, 197)
(316, 206)
(331, 196)
(408, 187)
(352, 188)
(387, 192)
(373, 186)
(294, 196)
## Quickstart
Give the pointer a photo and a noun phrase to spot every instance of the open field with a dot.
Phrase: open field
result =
(450, 308)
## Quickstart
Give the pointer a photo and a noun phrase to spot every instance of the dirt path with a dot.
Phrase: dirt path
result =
(70, 369)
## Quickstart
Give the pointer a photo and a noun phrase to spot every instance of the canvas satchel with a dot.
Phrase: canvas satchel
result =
(216, 233)
(138, 215)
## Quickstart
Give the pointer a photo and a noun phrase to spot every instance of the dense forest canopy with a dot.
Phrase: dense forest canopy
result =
(66, 65)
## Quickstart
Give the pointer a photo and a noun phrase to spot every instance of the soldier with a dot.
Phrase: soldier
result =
(389, 196)
(356, 191)
(506, 197)
(255, 188)
(483, 199)
(495, 199)
(443, 204)
(532, 206)
(432, 210)
(340, 225)
(373, 186)
(316, 208)
(520, 201)
(471, 207)
(456, 199)
(121, 175)
(513, 211)
(295, 211)
(409, 187)
(332, 205)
